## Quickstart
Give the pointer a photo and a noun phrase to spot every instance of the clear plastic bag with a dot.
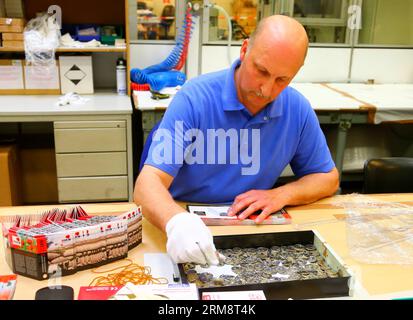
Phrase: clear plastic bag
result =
(41, 38)
(378, 232)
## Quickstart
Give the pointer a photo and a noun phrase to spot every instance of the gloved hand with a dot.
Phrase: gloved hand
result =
(189, 240)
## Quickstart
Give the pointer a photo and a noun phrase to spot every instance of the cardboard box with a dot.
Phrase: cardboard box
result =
(63, 251)
(241, 4)
(76, 74)
(40, 79)
(10, 193)
(5, 28)
(11, 76)
(248, 12)
(12, 22)
(15, 44)
(13, 36)
(39, 175)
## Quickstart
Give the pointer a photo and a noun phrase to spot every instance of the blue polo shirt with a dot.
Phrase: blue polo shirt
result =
(215, 149)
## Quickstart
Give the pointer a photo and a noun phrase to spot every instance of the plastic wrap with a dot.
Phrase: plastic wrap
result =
(41, 38)
(378, 232)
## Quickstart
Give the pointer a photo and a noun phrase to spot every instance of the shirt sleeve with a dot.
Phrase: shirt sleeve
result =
(169, 142)
(312, 154)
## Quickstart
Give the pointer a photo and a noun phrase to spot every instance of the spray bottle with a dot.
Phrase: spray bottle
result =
(121, 76)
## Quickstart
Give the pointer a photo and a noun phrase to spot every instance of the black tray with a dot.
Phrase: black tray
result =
(295, 289)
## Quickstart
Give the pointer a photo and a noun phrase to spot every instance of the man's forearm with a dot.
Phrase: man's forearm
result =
(310, 188)
(151, 192)
(188, 238)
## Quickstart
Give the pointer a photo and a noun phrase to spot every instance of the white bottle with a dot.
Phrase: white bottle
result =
(121, 77)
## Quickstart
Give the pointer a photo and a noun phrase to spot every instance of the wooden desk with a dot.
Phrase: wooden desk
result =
(375, 279)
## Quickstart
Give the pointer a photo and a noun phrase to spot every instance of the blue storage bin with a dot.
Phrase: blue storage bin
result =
(87, 38)
(69, 28)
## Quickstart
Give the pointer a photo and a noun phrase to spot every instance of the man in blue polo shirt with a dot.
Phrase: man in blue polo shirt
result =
(228, 135)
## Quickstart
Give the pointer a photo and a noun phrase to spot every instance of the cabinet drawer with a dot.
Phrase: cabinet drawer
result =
(91, 164)
(93, 189)
(90, 140)
(89, 124)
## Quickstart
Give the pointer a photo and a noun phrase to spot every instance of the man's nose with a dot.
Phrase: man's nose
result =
(267, 88)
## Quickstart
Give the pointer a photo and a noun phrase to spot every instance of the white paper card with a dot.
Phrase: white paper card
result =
(161, 266)
(76, 74)
(157, 292)
(212, 211)
(234, 295)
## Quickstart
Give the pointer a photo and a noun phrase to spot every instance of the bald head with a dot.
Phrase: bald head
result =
(281, 32)
(270, 59)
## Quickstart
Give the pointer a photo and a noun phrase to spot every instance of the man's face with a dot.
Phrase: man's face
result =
(263, 74)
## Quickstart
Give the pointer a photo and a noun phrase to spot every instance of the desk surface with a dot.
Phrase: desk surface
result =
(45, 105)
(374, 278)
(392, 102)
(323, 98)
(386, 102)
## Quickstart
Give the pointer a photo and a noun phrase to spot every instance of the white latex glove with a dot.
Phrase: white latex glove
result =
(71, 98)
(189, 240)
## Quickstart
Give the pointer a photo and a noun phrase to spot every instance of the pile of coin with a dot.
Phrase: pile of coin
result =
(261, 265)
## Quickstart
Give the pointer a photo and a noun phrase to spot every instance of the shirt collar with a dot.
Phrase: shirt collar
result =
(230, 100)
(275, 108)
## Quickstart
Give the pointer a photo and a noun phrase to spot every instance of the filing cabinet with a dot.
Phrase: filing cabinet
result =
(91, 160)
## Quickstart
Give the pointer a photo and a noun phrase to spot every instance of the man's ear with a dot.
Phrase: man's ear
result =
(244, 49)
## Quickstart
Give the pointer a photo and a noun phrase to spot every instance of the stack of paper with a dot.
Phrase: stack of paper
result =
(157, 292)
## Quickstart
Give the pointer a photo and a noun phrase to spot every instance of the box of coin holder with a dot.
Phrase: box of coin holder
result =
(62, 242)
(284, 265)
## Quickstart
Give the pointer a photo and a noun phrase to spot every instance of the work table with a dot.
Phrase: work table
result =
(324, 216)
(92, 142)
(46, 105)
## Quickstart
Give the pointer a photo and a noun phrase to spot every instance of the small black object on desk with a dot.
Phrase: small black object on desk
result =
(55, 293)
